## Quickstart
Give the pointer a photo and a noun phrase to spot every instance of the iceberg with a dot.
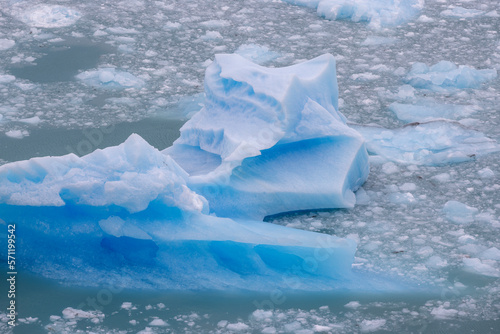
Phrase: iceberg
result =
(378, 13)
(431, 143)
(110, 78)
(445, 76)
(267, 141)
(271, 140)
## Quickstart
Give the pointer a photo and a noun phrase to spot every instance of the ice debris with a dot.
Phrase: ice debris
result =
(110, 78)
(47, 16)
(431, 143)
(256, 53)
(424, 111)
(459, 213)
(378, 13)
(460, 12)
(446, 75)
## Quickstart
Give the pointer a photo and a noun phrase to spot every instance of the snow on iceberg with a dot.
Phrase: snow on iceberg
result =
(110, 78)
(378, 13)
(432, 143)
(447, 76)
(425, 111)
(271, 140)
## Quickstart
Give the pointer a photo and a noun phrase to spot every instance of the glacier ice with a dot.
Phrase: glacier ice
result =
(271, 140)
(424, 111)
(267, 141)
(430, 143)
(110, 78)
(445, 75)
(378, 13)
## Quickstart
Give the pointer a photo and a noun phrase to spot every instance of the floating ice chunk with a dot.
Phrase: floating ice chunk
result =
(158, 323)
(110, 78)
(31, 120)
(211, 35)
(215, 24)
(431, 143)
(428, 111)
(485, 267)
(71, 313)
(402, 198)
(446, 75)
(130, 175)
(6, 44)
(256, 53)
(492, 253)
(6, 78)
(378, 13)
(460, 12)
(366, 76)
(378, 40)
(486, 173)
(459, 213)
(367, 326)
(442, 313)
(49, 16)
(268, 140)
(17, 134)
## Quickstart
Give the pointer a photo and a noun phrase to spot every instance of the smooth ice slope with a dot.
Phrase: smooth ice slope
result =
(377, 13)
(431, 143)
(271, 140)
(128, 206)
(445, 76)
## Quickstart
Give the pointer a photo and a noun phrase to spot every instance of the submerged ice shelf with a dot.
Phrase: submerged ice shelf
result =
(267, 141)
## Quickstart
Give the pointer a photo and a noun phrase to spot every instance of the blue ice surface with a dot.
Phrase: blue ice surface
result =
(271, 140)
(378, 13)
(266, 141)
(445, 75)
(430, 143)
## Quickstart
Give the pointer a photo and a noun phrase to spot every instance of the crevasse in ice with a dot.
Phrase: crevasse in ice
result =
(131, 213)
(271, 140)
(378, 13)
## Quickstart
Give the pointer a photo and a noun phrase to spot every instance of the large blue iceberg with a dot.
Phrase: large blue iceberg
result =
(190, 217)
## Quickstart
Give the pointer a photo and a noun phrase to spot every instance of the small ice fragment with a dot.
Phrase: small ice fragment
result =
(459, 213)
(367, 326)
(6, 44)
